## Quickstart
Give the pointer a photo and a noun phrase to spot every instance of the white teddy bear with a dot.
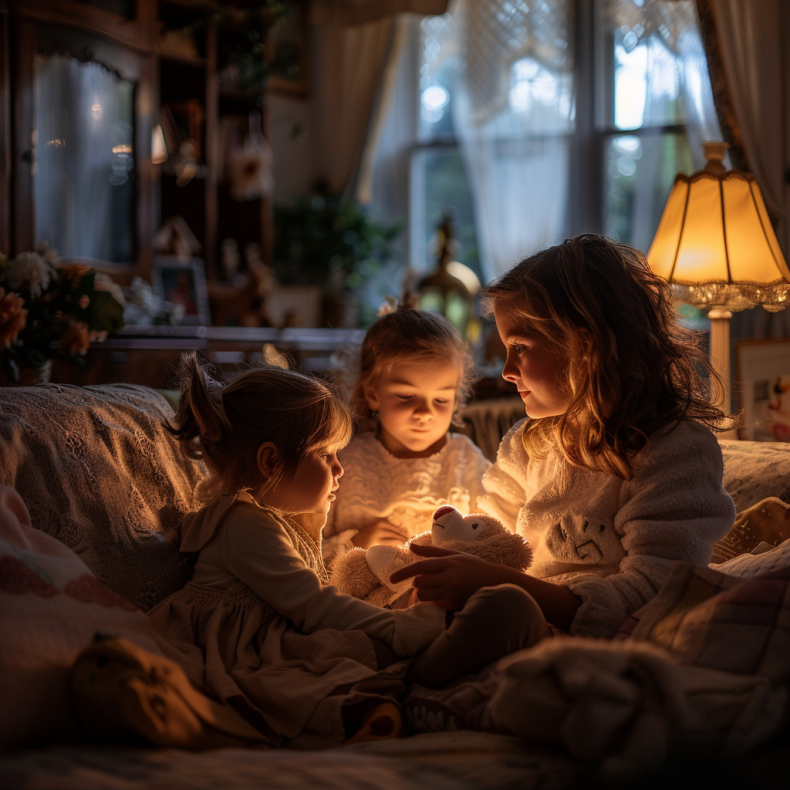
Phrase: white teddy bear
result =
(365, 573)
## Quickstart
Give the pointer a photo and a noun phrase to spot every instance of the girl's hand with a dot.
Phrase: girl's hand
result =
(379, 533)
(450, 577)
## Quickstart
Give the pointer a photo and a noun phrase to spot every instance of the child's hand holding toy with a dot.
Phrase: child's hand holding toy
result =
(366, 574)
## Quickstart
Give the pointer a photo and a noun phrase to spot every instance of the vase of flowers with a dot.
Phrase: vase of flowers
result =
(51, 312)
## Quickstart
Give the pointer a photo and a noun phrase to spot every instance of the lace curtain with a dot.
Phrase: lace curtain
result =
(672, 24)
(513, 113)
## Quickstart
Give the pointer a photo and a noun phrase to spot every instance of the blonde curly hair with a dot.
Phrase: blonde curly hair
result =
(417, 336)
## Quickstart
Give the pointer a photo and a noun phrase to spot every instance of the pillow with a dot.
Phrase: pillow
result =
(706, 618)
(755, 470)
(766, 522)
(50, 608)
(99, 472)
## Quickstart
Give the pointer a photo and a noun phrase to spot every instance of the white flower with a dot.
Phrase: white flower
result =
(49, 254)
(102, 282)
(29, 271)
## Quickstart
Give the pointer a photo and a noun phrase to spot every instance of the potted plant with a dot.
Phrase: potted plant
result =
(330, 241)
(49, 311)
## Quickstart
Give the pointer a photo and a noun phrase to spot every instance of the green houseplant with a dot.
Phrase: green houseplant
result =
(330, 241)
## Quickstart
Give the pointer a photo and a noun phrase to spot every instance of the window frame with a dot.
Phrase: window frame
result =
(593, 130)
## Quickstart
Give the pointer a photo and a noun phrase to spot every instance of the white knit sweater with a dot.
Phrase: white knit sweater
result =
(405, 491)
(609, 540)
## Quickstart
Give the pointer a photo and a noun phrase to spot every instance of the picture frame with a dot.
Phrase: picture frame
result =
(183, 281)
(762, 369)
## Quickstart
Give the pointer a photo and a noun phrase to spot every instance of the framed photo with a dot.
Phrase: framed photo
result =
(183, 282)
(762, 368)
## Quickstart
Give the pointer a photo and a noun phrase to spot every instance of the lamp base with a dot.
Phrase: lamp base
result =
(720, 358)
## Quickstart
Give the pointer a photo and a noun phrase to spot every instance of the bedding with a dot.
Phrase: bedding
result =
(440, 761)
(703, 668)
(754, 471)
(51, 605)
(99, 472)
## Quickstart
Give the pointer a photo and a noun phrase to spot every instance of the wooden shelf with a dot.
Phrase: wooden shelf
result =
(187, 60)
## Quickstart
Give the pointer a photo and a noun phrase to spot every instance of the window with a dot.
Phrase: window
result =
(545, 119)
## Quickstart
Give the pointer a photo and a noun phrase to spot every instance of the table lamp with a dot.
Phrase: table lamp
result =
(715, 243)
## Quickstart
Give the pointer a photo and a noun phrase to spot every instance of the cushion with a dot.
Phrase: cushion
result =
(766, 522)
(754, 471)
(51, 606)
(706, 618)
(99, 472)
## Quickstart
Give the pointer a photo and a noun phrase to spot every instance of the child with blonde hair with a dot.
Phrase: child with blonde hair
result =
(414, 374)
(257, 627)
(616, 473)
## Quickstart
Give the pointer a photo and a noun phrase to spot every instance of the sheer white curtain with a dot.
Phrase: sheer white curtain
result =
(513, 114)
(661, 79)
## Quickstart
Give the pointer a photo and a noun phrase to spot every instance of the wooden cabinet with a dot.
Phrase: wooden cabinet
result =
(138, 43)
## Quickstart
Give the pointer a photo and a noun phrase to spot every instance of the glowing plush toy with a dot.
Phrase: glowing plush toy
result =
(365, 573)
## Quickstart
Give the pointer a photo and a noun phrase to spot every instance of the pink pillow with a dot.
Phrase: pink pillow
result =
(51, 606)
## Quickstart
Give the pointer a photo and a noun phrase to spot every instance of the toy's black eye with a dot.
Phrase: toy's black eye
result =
(475, 526)
(603, 527)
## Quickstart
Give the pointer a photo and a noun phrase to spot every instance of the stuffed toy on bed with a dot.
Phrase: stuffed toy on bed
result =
(365, 573)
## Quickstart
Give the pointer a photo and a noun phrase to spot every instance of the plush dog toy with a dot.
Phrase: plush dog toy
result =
(365, 573)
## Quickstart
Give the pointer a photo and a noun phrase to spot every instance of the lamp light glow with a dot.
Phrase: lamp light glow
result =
(716, 242)
(716, 245)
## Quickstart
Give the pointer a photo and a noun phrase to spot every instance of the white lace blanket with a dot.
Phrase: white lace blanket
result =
(99, 472)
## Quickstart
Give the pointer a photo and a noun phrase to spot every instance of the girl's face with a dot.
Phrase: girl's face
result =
(415, 402)
(532, 367)
(311, 488)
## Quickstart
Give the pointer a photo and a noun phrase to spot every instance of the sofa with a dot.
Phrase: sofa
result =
(106, 487)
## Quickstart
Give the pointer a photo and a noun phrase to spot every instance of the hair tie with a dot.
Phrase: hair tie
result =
(389, 305)
(215, 389)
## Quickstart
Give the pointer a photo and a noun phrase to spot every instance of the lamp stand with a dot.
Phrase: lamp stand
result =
(720, 356)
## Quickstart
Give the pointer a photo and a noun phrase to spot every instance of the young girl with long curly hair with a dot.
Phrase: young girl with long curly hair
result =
(616, 472)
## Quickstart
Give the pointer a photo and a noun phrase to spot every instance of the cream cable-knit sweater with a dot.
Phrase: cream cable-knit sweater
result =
(609, 540)
(405, 491)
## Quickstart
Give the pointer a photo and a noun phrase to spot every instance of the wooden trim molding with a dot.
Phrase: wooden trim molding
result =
(5, 132)
(67, 13)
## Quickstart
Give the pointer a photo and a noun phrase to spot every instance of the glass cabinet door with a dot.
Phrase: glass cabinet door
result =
(83, 180)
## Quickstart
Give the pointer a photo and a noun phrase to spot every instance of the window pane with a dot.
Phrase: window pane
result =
(647, 82)
(438, 74)
(640, 173)
(439, 183)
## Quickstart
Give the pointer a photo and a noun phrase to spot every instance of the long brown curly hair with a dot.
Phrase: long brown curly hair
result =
(296, 412)
(636, 369)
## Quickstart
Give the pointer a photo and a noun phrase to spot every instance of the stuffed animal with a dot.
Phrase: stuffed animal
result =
(365, 573)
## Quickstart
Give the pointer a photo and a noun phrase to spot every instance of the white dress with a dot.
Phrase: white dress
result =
(405, 491)
(613, 541)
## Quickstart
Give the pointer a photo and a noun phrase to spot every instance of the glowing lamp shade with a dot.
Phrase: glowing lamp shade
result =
(715, 243)
(715, 238)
